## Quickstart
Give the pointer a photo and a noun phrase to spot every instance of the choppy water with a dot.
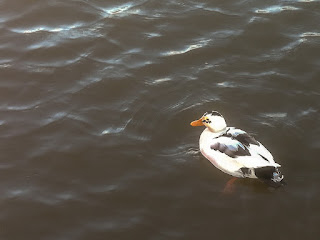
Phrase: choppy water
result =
(95, 103)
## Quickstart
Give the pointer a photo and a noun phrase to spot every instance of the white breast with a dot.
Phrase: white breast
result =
(220, 160)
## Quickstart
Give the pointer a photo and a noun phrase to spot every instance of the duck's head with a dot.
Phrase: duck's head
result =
(214, 121)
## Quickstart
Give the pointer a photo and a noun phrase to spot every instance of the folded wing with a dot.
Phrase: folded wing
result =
(239, 145)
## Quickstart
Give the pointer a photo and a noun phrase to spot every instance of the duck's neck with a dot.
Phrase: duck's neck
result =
(217, 129)
(217, 124)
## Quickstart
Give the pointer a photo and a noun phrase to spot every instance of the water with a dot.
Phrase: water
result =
(96, 98)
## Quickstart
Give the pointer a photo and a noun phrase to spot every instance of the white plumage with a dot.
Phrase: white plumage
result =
(234, 151)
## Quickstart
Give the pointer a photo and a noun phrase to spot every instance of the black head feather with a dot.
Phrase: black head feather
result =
(213, 113)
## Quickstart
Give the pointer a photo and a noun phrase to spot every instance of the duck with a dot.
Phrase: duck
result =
(235, 152)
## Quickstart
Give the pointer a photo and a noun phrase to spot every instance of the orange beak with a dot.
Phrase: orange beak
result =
(197, 123)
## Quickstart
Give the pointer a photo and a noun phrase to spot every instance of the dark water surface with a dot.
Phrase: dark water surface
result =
(96, 98)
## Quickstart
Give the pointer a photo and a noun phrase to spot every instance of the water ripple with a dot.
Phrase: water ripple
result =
(159, 81)
(120, 10)
(36, 29)
(310, 34)
(19, 107)
(113, 130)
(188, 48)
(275, 115)
(276, 9)
(153, 35)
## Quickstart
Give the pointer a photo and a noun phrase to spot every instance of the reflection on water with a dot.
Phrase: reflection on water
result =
(96, 99)
(276, 9)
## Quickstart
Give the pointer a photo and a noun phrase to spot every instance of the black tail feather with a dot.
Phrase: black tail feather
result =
(270, 175)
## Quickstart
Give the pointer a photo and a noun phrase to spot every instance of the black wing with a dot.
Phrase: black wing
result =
(232, 147)
(241, 136)
(234, 143)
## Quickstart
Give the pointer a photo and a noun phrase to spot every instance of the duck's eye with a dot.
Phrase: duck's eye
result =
(206, 120)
